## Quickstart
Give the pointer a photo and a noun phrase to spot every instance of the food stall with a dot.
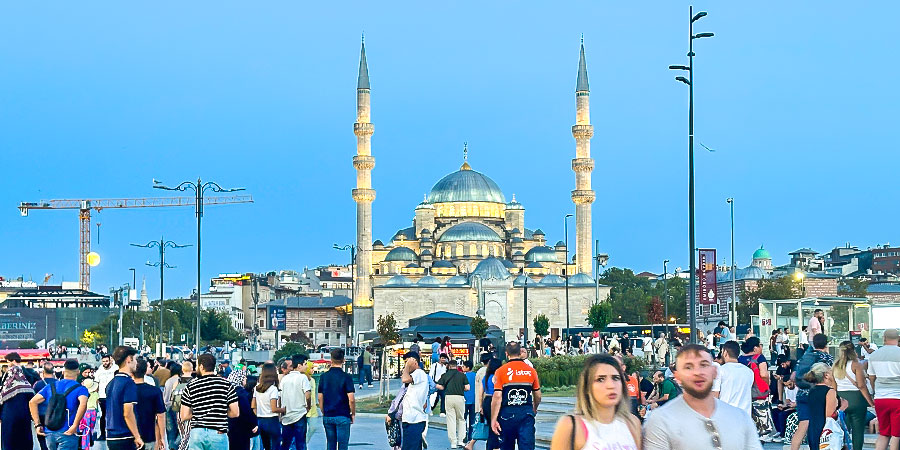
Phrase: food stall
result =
(843, 315)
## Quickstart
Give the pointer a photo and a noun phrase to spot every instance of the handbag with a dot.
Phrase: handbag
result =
(480, 429)
(832, 436)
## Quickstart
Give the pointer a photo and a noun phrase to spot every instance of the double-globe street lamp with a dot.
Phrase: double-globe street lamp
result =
(732, 316)
(162, 245)
(199, 188)
(352, 249)
(566, 272)
(690, 82)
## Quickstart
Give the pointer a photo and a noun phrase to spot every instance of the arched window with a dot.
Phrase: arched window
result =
(484, 250)
(473, 249)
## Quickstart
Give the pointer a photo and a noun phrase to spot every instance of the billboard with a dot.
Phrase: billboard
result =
(276, 318)
(707, 277)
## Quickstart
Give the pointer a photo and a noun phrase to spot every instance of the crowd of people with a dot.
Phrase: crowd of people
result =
(137, 403)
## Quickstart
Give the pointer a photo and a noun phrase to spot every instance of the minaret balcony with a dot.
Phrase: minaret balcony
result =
(363, 128)
(363, 162)
(582, 131)
(583, 164)
(583, 196)
(363, 195)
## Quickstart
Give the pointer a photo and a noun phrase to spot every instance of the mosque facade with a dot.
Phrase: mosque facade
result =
(468, 250)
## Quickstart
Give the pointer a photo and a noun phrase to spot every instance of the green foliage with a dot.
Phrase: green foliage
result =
(771, 289)
(853, 287)
(216, 328)
(599, 315)
(559, 370)
(387, 329)
(479, 327)
(634, 364)
(541, 325)
(27, 344)
(289, 349)
(631, 296)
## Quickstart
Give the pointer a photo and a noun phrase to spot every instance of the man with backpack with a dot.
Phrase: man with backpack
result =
(818, 353)
(46, 378)
(66, 403)
(759, 391)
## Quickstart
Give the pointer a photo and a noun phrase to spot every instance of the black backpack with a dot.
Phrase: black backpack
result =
(57, 412)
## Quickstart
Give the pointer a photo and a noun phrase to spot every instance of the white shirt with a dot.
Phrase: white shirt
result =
(294, 387)
(885, 365)
(437, 369)
(734, 383)
(103, 377)
(415, 398)
(802, 338)
(791, 394)
(863, 354)
(263, 401)
(676, 426)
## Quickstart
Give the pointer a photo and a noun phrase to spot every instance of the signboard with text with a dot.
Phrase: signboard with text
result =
(707, 277)
(276, 318)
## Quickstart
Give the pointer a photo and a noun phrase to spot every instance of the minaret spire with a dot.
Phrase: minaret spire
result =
(582, 165)
(363, 195)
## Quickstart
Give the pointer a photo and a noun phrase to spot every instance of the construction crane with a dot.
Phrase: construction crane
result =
(85, 206)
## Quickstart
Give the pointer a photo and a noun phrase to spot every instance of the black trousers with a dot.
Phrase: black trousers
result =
(102, 403)
(470, 419)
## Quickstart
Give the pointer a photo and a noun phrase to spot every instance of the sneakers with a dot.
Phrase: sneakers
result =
(371, 386)
(361, 386)
(766, 438)
(443, 415)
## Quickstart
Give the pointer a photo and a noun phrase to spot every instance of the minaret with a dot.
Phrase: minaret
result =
(145, 302)
(363, 195)
(583, 165)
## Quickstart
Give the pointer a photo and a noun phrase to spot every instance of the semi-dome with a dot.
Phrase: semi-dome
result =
(761, 254)
(466, 185)
(457, 280)
(560, 244)
(491, 269)
(509, 264)
(552, 280)
(412, 265)
(534, 265)
(520, 281)
(541, 253)
(378, 243)
(429, 280)
(581, 279)
(469, 231)
(398, 280)
(747, 273)
(400, 254)
(443, 264)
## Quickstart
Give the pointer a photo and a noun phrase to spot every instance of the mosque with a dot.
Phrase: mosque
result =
(468, 250)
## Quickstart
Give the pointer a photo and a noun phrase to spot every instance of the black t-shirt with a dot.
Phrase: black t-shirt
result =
(334, 385)
(454, 382)
(149, 404)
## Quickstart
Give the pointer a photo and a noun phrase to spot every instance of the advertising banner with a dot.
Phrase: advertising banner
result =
(276, 318)
(707, 277)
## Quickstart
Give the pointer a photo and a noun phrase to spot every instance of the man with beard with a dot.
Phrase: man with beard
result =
(103, 376)
(696, 419)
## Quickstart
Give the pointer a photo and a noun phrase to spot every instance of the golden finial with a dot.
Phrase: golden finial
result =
(465, 165)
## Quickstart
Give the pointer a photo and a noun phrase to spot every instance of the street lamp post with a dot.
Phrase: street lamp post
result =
(199, 187)
(566, 272)
(600, 260)
(733, 267)
(352, 249)
(690, 82)
(161, 244)
(666, 292)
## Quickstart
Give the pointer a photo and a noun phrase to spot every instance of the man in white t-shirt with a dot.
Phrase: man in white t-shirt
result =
(866, 348)
(414, 401)
(735, 380)
(295, 399)
(884, 372)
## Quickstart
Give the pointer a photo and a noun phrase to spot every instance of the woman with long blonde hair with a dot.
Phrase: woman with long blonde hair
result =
(850, 379)
(602, 416)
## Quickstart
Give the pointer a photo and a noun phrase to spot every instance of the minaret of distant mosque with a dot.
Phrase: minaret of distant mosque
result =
(145, 301)
(583, 165)
(363, 195)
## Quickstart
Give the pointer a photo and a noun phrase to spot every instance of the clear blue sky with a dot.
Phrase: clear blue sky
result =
(799, 101)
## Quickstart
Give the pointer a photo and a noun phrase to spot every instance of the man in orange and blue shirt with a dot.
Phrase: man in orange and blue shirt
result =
(517, 394)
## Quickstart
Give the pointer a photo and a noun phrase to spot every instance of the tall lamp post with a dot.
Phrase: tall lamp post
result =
(162, 245)
(666, 292)
(600, 260)
(199, 188)
(690, 82)
(352, 249)
(566, 272)
(733, 311)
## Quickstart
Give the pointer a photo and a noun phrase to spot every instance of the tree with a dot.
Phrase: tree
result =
(599, 315)
(773, 289)
(288, 350)
(632, 296)
(853, 287)
(216, 328)
(655, 314)
(388, 333)
(27, 344)
(90, 338)
(541, 328)
(478, 327)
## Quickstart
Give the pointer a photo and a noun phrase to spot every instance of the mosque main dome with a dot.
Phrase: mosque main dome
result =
(466, 185)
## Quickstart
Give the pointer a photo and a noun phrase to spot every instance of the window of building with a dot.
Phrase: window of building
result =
(714, 309)
(327, 323)
(699, 309)
(326, 336)
(340, 323)
(311, 323)
(310, 335)
(338, 337)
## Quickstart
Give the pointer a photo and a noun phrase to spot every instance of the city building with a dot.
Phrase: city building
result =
(467, 245)
(886, 259)
(316, 320)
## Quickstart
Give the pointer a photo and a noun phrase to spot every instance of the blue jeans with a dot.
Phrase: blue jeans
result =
(337, 432)
(516, 426)
(365, 372)
(294, 433)
(172, 429)
(412, 436)
(59, 441)
(206, 439)
(270, 432)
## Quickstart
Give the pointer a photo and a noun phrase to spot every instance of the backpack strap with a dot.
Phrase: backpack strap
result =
(71, 389)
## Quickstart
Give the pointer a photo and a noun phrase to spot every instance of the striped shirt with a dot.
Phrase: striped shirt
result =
(208, 397)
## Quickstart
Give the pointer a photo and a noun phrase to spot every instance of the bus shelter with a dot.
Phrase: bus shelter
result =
(843, 315)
